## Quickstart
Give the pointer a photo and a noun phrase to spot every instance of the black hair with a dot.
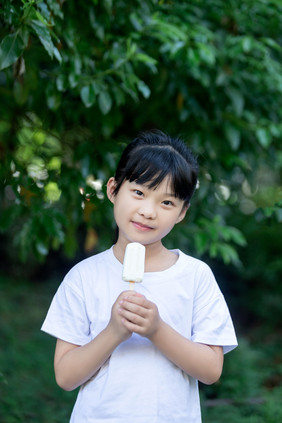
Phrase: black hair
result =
(152, 156)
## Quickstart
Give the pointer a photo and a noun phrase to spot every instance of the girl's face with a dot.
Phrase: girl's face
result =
(145, 215)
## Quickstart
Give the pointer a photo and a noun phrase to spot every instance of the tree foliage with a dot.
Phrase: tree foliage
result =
(77, 81)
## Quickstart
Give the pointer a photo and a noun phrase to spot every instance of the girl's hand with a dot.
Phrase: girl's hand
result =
(115, 323)
(139, 315)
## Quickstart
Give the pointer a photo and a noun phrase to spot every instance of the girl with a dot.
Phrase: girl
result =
(137, 355)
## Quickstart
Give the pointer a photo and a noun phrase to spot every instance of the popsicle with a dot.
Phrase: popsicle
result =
(133, 263)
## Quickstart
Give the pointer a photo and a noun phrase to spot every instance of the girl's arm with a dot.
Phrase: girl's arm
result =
(203, 362)
(75, 364)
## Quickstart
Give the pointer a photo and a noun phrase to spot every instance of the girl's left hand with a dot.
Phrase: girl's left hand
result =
(139, 315)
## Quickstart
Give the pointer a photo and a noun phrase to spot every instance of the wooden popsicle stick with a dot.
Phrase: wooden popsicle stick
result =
(131, 285)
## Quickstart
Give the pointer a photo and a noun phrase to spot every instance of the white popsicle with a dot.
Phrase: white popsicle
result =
(133, 263)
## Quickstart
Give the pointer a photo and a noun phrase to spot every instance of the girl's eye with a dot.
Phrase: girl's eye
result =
(168, 203)
(137, 192)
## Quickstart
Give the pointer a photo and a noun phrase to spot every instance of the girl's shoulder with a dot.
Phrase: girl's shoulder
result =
(87, 269)
(96, 260)
(192, 262)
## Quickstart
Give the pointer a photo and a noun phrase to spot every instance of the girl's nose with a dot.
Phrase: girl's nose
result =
(147, 210)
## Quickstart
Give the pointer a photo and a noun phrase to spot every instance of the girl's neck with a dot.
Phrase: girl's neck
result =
(157, 258)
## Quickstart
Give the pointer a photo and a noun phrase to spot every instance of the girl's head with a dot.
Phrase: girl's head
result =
(153, 156)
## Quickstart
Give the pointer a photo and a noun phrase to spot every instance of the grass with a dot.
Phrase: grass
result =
(249, 391)
(27, 386)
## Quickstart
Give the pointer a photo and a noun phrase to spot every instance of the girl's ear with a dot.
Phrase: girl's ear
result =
(182, 213)
(111, 186)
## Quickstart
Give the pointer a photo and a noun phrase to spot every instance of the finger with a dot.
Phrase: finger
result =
(132, 293)
(133, 308)
(139, 300)
(132, 312)
(133, 318)
(133, 327)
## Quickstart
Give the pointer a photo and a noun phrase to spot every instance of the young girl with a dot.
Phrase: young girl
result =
(137, 355)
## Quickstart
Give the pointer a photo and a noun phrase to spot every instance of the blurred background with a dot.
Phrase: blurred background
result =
(78, 81)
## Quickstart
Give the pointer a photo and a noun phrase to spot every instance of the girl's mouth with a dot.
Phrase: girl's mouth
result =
(141, 227)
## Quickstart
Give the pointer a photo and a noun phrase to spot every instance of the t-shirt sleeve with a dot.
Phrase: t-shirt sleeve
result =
(67, 317)
(212, 323)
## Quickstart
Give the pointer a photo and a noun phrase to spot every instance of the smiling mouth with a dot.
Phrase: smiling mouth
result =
(141, 226)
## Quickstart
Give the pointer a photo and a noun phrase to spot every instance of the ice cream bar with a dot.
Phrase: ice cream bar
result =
(133, 263)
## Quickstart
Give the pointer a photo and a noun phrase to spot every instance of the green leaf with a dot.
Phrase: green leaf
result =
(207, 53)
(53, 99)
(57, 54)
(42, 248)
(168, 31)
(247, 44)
(11, 48)
(56, 8)
(233, 136)
(213, 250)
(237, 236)
(141, 57)
(131, 48)
(41, 18)
(237, 99)
(272, 43)
(228, 254)
(275, 130)
(73, 79)
(105, 102)
(119, 95)
(201, 240)
(61, 83)
(229, 233)
(44, 36)
(144, 89)
(264, 137)
(108, 5)
(87, 95)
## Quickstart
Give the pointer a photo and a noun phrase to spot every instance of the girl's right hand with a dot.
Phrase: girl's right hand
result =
(76, 364)
(115, 323)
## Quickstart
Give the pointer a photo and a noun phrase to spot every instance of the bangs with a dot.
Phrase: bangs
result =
(151, 165)
(153, 157)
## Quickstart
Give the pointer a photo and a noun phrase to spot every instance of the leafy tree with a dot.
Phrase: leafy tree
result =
(78, 81)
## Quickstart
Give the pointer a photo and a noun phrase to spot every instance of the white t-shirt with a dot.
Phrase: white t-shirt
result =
(138, 384)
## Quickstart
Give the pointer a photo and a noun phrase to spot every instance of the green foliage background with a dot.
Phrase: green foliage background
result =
(80, 80)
